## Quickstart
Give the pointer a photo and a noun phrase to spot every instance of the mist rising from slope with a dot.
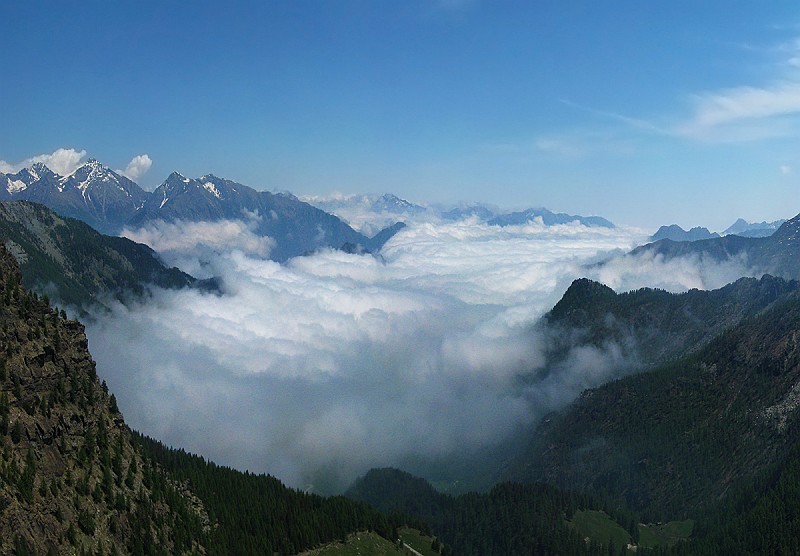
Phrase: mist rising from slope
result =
(334, 363)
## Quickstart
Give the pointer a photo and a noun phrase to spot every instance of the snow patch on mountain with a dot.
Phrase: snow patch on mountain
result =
(210, 187)
(16, 186)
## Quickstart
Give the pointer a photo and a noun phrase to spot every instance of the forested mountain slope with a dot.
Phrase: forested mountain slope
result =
(69, 474)
(509, 519)
(73, 263)
(673, 441)
(74, 477)
(654, 326)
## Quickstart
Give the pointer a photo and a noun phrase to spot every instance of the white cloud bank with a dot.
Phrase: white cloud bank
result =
(62, 162)
(319, 369)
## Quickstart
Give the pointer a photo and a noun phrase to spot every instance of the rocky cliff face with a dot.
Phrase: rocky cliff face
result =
(70, 476)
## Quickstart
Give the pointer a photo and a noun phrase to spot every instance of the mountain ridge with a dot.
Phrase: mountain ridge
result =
(777, 254)
(676, 438)
(109, 202)
(72, 262)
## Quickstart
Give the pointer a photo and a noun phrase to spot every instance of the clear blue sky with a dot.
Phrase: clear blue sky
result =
(645, 112)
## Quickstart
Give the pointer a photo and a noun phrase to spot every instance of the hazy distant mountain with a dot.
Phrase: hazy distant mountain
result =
(386, 203)
(368, 212)
(753, 229)
(740, 228)
(676, 233)
(108, 202)
(777, 254)
(548, 218)
(480, 211)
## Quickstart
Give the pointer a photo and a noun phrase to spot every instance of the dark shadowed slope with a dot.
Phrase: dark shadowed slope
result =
(676, 439)
(653, 326)
(74, 477)
(73, 263)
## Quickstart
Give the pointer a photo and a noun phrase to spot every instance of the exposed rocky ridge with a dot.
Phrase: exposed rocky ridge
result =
(74, 479)
(73, 263)
(70, 476)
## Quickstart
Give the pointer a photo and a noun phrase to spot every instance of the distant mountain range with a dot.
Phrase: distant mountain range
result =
(753, 229)
(108, 202)
(676, 233)
(548, 219)
(369, 213)
(740, 228)
(777, 254)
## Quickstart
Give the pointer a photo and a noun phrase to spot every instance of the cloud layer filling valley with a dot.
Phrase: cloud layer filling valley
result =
(345, 362)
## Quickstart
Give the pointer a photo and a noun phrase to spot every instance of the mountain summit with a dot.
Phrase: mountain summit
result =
(92, 193)
(109, 202)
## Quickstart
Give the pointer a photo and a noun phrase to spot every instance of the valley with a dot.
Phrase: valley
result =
(418, 277)
(630, 400)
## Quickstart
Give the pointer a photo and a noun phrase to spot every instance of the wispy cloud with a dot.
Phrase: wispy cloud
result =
(745, 113)
(580, 143)
(739, 113)
(750, 112)
(62, 161)
(192, 245)
(631, 122)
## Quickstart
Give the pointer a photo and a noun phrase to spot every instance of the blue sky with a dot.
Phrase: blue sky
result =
(643, 112)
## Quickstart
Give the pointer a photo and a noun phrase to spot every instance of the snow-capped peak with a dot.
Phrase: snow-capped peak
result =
(177, 176)
(36, 170)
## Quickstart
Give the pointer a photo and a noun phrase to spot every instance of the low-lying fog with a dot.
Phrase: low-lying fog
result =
(317, 370)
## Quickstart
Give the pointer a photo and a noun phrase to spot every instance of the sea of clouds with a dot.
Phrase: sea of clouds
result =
(319, 369)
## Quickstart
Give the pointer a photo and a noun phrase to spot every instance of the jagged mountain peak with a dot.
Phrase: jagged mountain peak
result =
(676, 233)
(178, 182)
(40, 167)
(177, 176)
(93, 168)
(93, 162)
(36, 172)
